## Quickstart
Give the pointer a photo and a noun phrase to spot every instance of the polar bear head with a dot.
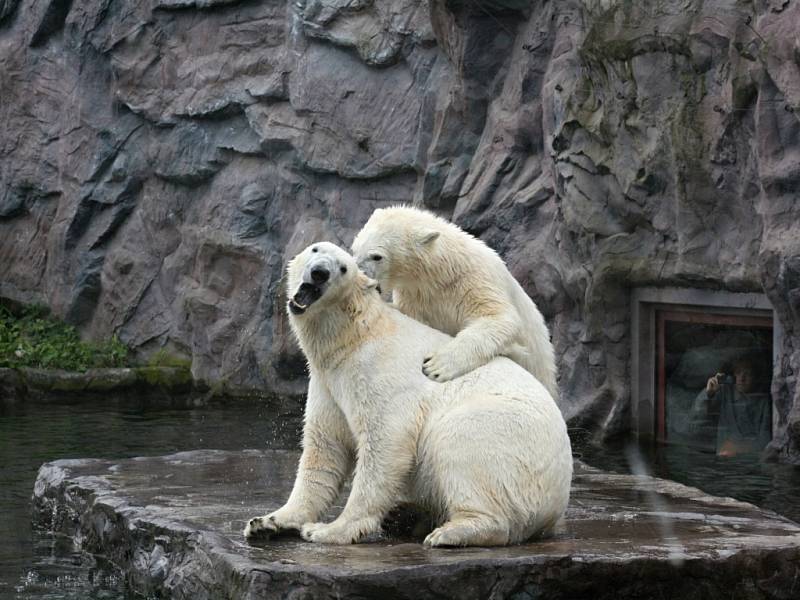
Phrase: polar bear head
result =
(320, 276)
(395, 239)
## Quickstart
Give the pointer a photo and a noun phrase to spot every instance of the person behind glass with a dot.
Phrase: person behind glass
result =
(745, 419)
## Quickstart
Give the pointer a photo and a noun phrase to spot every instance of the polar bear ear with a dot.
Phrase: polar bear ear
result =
(426, 236)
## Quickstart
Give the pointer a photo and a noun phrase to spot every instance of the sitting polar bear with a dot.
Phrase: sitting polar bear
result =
(488, 455)
(444, 277)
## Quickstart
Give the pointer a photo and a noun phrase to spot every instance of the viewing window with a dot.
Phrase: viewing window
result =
(732, 413)
(701, 366)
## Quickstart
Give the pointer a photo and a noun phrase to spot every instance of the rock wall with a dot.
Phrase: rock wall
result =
(161, 159)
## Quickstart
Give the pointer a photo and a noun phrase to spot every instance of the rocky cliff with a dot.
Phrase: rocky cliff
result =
(161, 159)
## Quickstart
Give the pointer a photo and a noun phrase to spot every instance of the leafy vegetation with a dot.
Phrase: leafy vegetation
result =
(32, 338)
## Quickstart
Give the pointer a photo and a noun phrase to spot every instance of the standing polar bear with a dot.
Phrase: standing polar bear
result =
(451, 281)
(488, 455)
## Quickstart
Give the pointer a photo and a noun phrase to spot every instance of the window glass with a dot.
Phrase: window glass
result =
(714, 380)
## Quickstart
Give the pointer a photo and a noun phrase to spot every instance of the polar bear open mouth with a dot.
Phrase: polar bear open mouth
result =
(306, 295)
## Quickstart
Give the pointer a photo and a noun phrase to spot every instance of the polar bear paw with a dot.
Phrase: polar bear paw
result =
(337, 532)
(270, 524)
(261, 526)
(325, 533)
(470, 531)
(444, 536)
(446, 363)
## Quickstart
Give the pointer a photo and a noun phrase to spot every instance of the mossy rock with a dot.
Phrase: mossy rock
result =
(11, 384)
(173, 379)
(163, 358)
(167, 378)
(54, 380)
(101, 380)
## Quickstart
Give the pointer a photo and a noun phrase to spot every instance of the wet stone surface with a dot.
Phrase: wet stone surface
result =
(173, 525)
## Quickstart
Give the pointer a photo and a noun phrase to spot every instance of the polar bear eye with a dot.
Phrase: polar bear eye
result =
(343, 270)
(376, 257)
(314, 249)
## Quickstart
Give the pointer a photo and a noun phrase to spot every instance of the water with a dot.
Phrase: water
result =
(34, 566)
(768, 485)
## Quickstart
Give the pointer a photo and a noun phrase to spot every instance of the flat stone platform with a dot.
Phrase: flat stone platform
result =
(173, 525)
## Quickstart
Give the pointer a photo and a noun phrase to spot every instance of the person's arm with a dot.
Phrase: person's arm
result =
(712, 386)
(704, 403)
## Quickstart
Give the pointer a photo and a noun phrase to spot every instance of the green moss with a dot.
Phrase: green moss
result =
(163, 358)
(621, 49)
(33, 338)
(166, 377)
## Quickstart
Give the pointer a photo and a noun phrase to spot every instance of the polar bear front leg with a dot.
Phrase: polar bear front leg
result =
(379, 478)
(479, 342)
(324, 464)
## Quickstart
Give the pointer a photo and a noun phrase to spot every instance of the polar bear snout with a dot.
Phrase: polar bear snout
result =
(320, 275)
(318, 269)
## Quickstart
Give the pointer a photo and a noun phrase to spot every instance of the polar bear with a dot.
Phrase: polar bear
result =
(451, 281)
(488, 454)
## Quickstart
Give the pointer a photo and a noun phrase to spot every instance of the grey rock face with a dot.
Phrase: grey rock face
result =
(160, 161)
(7, 8)
(173, 525)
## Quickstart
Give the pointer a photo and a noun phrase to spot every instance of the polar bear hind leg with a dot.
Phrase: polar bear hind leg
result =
(483, 491)
(466, 528)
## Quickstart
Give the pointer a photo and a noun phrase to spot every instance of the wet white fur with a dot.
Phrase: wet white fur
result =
(487, 453)
(446, 278)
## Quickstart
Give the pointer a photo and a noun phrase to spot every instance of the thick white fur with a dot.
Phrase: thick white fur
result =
(487, 454)
(446, 278)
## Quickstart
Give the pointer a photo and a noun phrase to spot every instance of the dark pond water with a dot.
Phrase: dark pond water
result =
(769, 485)
(33, 566)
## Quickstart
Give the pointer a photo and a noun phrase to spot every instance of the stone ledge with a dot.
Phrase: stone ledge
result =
(169, 386)
(42, 382)
(173, 525)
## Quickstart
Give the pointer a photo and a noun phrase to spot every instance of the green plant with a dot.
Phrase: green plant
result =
(32, 338)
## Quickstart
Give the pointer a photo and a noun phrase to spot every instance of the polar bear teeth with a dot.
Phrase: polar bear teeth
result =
(296, 308)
